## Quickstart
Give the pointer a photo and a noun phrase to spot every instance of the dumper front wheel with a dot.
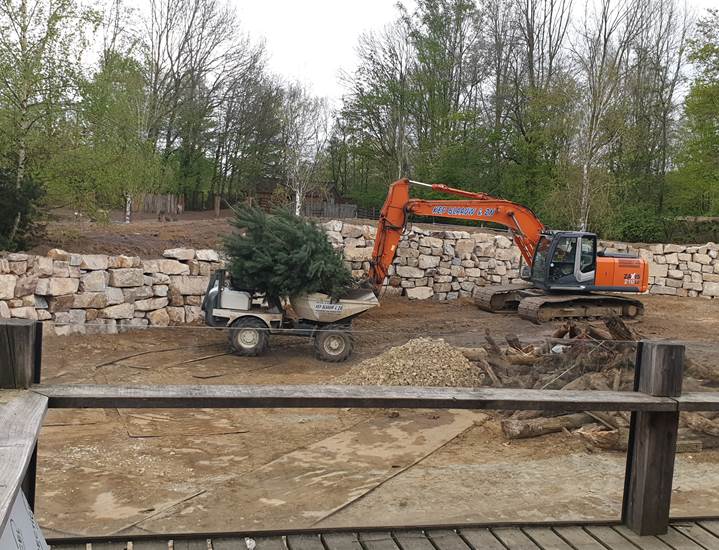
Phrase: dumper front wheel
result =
(249, 336)
(333, 345)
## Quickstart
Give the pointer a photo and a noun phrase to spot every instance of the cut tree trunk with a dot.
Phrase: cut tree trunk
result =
(520, 429)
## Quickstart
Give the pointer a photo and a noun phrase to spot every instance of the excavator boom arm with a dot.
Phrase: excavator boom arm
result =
(524, 224)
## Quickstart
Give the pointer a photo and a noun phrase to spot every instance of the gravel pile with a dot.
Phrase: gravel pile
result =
(419, 362)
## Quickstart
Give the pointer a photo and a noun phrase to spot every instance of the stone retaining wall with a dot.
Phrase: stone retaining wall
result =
(93, 293)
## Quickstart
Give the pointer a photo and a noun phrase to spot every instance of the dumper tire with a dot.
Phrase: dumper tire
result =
(333, 344)
(249, 337)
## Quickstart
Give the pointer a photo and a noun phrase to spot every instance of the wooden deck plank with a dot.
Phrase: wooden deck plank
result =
(20, 422)
(610, 538)
(341, 541)
(378, 540)
(150, 545)
(108, 546)
(447, 539)
(578, 538)
(412, 539)
(546, 539)
(678, 541)
(299, 396)
(304, 542)
(240, 543)
(190, 544)
(711, 525)
(698, 534)
(514, 539)
(698, 401)
(481, 539)
(645, 543)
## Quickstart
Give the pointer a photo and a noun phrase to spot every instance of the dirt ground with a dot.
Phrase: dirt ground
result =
(110, 471)
(148, 238)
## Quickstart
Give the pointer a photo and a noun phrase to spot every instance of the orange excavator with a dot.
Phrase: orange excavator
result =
(564, 270)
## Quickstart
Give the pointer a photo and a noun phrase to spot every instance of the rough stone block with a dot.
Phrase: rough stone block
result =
(94, 262)
(25, 312)
(95, 281)
(43, 266)
(58, 286)
(193, 315)
(58, 254)
(419, 293)
(7, 286)
(357, 254)
(151, 304)
(335, 238)
(18, 268)
(94, 300)
(187, 284)
(710, 289)
(426, 261)
(349, 230)
(408, 271)
(70, 317)
(159, 318)
(179, 253)
(176, 315)
(119, 311)
(126, 277)
(137, 293)
(114, 296)
(703, 259)
(117, 262)
(658, 270)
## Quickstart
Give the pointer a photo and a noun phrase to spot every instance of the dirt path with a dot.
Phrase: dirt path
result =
(103, 471)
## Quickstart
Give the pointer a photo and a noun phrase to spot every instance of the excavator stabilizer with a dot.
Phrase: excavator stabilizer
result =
(539, 306)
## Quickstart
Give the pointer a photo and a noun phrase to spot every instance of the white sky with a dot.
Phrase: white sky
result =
(312, 40)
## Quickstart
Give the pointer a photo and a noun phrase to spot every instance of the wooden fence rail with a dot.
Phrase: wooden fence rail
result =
(655, 405)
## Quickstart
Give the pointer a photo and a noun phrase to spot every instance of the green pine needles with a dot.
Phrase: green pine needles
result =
(282, 255)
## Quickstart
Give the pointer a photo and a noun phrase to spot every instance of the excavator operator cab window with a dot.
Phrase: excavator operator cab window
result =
(562, 264)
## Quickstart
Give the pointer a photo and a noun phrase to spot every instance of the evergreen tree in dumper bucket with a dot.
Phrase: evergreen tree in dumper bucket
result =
(283, 255)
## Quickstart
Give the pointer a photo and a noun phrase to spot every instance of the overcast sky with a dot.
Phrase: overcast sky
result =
(312, 40)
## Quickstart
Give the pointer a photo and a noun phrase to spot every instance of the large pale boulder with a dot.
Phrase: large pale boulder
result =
(25, 312)
(71, 317)
(95, 281)
(151, 304)
(409, 272)
(59, 286)
(176, 315)
(357, 254)
(159, 318)
(43, 266)
(179, 253)
(419, 293)
(114, 296)
(123, 262)
(137, 293)
(193, 315)
(349, 230)
(188, 285)
(94, 262)
(7, 286)
(172, 267)
(333, 225)
(4, 311)
(431, 242)
(502, 242)
(711, 289)
(126, 277)
(426, 261)
(335, 238)
(207, 255)
(119, 311)
(93, 300)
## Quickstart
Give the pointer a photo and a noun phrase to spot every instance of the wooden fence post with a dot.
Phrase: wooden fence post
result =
(20, 358)
(652, 441)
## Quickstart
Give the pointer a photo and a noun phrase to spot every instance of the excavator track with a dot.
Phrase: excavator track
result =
(538, 306)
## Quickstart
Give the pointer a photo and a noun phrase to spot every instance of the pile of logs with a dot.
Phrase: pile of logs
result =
(587, 357)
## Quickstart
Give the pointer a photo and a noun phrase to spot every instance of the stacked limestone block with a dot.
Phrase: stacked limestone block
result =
(97, 293)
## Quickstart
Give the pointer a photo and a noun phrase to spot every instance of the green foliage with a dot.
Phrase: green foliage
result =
(283, 255)
(23, 202)
(638, 223)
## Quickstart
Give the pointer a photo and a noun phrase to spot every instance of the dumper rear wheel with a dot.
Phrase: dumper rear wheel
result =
(249, 336)
(333, 344)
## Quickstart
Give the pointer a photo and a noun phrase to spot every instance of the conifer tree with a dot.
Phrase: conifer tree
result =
(280, 255)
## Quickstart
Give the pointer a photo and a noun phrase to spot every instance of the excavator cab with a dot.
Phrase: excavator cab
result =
(565, 260)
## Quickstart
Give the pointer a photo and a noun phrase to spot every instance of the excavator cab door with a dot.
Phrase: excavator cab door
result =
(565, 260)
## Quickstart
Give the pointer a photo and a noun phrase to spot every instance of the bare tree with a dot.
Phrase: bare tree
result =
(600, 53)
(304, 133)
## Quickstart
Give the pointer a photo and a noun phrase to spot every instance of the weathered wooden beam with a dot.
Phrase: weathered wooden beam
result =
(20, 421)
(204, 396)
(17, 353)
(698, 401)
(652, 442)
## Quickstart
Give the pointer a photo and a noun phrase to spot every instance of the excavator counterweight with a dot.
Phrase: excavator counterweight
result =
(566, 268)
